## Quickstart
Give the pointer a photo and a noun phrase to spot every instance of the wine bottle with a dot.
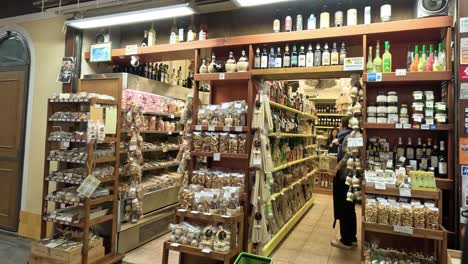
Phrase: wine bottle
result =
(409, 151)
(409, 58)
(334, 56)
(400, 152)
(276, 22)
(325, 56)
(279, 58)
(192, 31)
(272, 58)
(442, 161)
(317, 56)
(257, 59)
(435, 159)
(302, 57)
(343, 53)
(144, 43)
(387, 58)
(264, 59)
(181, 32)
(152, 35)
(294, 57)
(309, 57)
(286, 57)
(419, 149)
(174, 33)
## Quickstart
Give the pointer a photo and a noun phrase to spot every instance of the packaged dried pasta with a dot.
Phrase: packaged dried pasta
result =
(371, 210)
(206, 145)
(419, 216)
(242, 143)
(233, 143)
(432, 218)
(406, 216)
(214, 142)
(197, 141)
(224, 143)
(383, 212)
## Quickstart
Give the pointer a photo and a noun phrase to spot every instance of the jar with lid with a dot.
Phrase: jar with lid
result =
(429, 120)
(441, 108)
(404, 119)
(418, 108)
(392, 109)
(371, 108)
(392, 118)
(429, 95)
(381, 118)
(381, 97)
(417, 119)
(392, 97)
(418, 96)
(385, 13)
(372, 119)
(441, 118)
(429, 112)
(404, 110)
(381, 108)
(351, 18)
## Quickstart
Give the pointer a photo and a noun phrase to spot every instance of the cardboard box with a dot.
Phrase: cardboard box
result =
(454, 256)
(59, 256)
(93, 255)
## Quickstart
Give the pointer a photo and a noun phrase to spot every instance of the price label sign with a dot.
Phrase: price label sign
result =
(175, 244)
(257, 162)
(172, 116)
(374, 77)
(226, 129)
(402, 159)
(407, 126)
(380, 186)
(399, 126)
(238, 128)
(403, 229)
(405, 192)
(425, 127)
(221, 76)
(211, 128)
(206, 250)
(198, 127)
(400, 72)
(131, 49)
(88, 186)
(355, 142)
(216, 156)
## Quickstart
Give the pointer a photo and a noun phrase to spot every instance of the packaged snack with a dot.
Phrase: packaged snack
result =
(432, 218)
(419, 216)
(406, 216)
(395, 213)
(206, 145)
(207, 237)
(197, 141)
(224, 143)
(242, 143)
(233, 143)
(371, 210)
(222, 240)
(214, 142)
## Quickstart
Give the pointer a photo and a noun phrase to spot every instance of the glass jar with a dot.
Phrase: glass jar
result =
(441, 108)
(429, 120)
(385, 13)
(441, 118)
(339, 18)
(429, 95)
(417, 119)
(371, 108)
(404, 110)
(404, 119)
(418, 108)
(418, 96)
(392, 97)
(429, 112)
(392, 109)
(381, 97)
(381, 108)
(392, 119)
(351, 19)
(382, 120)
(371, 119)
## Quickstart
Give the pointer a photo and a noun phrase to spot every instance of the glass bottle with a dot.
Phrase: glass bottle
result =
(277, 22)
(343, 53)
(377, 59)
(435, 65)
(370, 64)
(334, 56)
(299, 23)
(264, 59)
(442, 58)
(435, 159)
(272, 58)
(339, 16)
(203, 34)
(442, 161)
(279, 59)
(192, 31)
(257, 59)
(288, 22)
(286, 57)
(409, 58)
(430, 59)
(423, 59)
(419, 149)
(399, 152)
(294, 57)
(144, 43)
(181, 32)
(302, 57)
(309, 57)
(312, 22)
(424, 164)
(325, 56)
(414, 65)
(317, 56)
(367, 15)
(152, 35)
(409, 150)
(324, 17)
(174, 33)
(387, 58)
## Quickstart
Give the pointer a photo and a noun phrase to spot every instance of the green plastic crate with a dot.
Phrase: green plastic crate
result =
(246, 258)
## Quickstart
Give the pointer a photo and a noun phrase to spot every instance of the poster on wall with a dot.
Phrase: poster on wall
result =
(66, 70)
(464, 51)
(463, 151)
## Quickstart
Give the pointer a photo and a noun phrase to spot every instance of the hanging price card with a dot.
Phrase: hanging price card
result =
(400, 72)
(398, 126)
(406, 126)
(238, 129)
(405, 192)
(216, 156)
(211, 128)
(380, 186)
(198, 127)
(221, 76)
(403, 229)
(374, 77)
(355, 142)
(88, 186)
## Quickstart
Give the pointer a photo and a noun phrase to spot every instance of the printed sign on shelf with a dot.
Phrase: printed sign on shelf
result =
(463, 72)
(464, 51)
(463, 24)
(464, 170)
(354, 64)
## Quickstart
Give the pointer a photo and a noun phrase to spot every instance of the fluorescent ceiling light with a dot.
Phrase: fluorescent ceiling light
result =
(132, 17)
(258, 2)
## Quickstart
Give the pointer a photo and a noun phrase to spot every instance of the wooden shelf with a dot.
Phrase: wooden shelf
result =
(104, 159)
(330, 114)
(212, 218)
(289, 164)
(107, 179)
(92, 222)
(220, 128)
(286, 189)
(223, 76)
(160, 167)
(287, 135)
(323, 99)
(67, 140)
(125, 152)
(217, 255)
(439, 127)
(95, 201)
(334, 71)
(417, 232)
(444, 184)
(413, 77)
(162, 114)
(83, 101)
(155, 132)
(68, 120)
(290, 109)
(223, 155)
(326, 127)
(391, 190)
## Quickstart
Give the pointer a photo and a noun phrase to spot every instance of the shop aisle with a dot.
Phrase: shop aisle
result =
(308, 243)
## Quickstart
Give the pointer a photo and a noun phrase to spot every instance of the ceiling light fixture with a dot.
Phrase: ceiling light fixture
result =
(132, 17)
(244, 3)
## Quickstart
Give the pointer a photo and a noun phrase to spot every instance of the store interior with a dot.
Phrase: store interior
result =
(235, 131)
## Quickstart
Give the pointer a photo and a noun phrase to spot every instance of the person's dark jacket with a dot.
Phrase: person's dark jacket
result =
(340, 189)
(334, 147)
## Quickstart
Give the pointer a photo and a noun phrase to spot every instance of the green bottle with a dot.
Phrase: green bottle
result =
(423, 59)
(370, 65)
(377, 60)
(387, 58)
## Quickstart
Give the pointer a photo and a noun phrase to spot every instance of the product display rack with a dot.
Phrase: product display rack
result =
(110, 201)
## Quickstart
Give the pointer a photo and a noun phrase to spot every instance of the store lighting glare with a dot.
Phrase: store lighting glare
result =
(244, 3)
(132, 17)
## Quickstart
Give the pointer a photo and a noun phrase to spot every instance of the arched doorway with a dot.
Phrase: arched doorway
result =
(14, 74)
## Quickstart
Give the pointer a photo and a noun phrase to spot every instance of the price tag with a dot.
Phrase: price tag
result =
(433, 127)
(198, 127)
(88, 186)
(194, 212)
(403, 229)
(398, 126)
(355, 142)
(131, 49)
(400, 72)
(226, 129)
(206, 250)
(402, 159)
(374, 77)
(65, 145)
(380, 186)
(182, 210)
(221, 76)
(132, 148)
(238, 128)
(257, 162)
(226, 216)
(211, 128)
(175, 244)
(169, 132)
(172, 116)
(406, 126)
(208, 214)
(406, 192)
(389, 163)
(216, 156)
(425, 127)
(62, 205)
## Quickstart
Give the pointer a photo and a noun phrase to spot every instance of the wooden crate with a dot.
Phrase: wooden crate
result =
(94, 254)
(57, 255)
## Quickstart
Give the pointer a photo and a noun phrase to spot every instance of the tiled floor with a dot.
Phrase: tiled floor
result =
(308, 243)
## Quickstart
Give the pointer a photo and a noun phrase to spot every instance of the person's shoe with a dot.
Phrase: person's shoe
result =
(337, 243)
(355, 244)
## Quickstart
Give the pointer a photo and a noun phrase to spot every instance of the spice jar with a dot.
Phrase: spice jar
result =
(381, 97)
(392, 119)
(404, 119)
(392, 97)
(381, 118)
(418, 108)
(441, 118)
(371, 109)
(404, 110)
(371, 119)
(381, 108)
(429, 95)
(418, 96)
(441, 108)
(417, 119)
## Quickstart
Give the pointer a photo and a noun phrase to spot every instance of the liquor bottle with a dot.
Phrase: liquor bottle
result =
(429, 150)
(146, 70)
(409, 58)
(166, 74)
(203, 34)
(424, 163)
(343, 53)
(174, 33)
(286, 57)
(423, 59)
(264, 59)
(387, 58)
(442, 58)
(430, 59)
(294, 57)
(377, 59)
(277, 22)
(435, 159)
(370, 64)
(173, 78)
(324, 17)
(302, 57)
(154, 70)
(442, 161)
(325, 56)
(312, 22)
(339, 16)
(192, 31)
(257, 59)
(288, 22)
(435, 65)
(409, 151)
(414, 65)
(299, 23)
(279, 59)
(144, 43)
(399, 152)
(152, 35)
(271, 58)
(334, 56)
(309, 57)
(419, 149)
(317, 56)
(179, 76)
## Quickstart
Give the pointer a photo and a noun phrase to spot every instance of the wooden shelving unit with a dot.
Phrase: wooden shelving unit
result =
(292, 110)
(292, 163)
(301, 73)
(108, 202)
(439, 127)
(222, 155)
(414, 76)
(222, 76)
(290, 135)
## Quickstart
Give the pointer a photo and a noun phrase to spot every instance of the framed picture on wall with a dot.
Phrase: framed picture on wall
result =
(100, 52)
(66, 70)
